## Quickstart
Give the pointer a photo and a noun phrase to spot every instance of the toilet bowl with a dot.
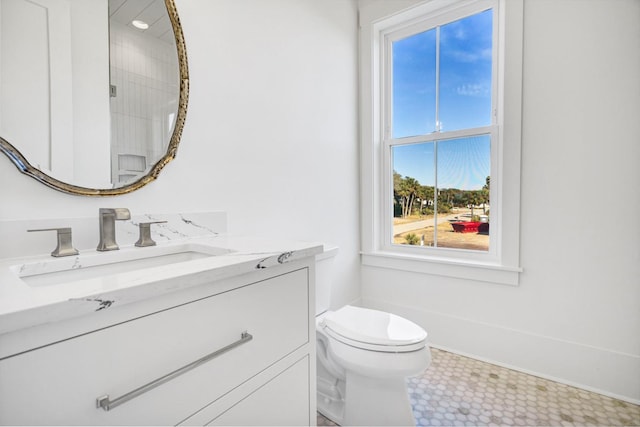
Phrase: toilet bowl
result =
(363, 359)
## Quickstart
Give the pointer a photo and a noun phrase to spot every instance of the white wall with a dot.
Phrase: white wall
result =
(576, 314)
(271, 130)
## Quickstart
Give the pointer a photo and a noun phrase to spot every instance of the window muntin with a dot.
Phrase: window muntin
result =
(441, 82)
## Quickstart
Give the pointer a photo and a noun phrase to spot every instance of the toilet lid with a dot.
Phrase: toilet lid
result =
(374, 327)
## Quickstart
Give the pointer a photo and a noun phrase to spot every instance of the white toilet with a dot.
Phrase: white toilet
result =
(363, 358)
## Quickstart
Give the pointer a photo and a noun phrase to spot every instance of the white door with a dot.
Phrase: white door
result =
(36, 82)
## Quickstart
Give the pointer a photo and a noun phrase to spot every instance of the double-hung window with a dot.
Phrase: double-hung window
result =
(440, 123)
(436, 140)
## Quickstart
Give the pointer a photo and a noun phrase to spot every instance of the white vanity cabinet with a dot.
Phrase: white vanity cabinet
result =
(265, 373)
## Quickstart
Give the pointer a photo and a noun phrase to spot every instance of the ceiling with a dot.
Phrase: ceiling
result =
(153, 12)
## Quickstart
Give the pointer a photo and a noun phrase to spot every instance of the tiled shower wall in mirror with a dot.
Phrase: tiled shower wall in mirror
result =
(144, 98)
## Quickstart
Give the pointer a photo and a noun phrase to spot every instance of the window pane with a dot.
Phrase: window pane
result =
(464, 167)
(465, 72)
(463, 209)
(413, 202)
(414, 85)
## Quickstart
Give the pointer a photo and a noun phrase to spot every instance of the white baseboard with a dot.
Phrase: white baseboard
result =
(602, 371)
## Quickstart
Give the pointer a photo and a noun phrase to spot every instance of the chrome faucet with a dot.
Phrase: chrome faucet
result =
(107, 219)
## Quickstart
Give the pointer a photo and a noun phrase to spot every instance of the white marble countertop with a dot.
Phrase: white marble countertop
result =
(24, 304)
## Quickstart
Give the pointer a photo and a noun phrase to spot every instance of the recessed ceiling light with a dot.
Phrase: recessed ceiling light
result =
(140, 24)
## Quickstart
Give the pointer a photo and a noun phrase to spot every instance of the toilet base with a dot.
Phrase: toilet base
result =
(330, 395)
(375, 401)
(365, 401)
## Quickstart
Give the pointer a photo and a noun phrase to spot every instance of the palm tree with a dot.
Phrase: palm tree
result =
(474, 198)
(426, 193)
(405, 191)
(484, 193)
(410, 187)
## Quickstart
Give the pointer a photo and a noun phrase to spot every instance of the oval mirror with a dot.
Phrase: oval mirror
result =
(93, 94)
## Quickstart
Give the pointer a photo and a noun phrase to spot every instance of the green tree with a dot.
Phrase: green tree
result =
(484, 195)
(446, 199)
(397, 180)
(405, 191)
(426, 192)
(473, 198)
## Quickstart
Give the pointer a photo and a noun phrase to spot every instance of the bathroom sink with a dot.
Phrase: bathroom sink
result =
(55, 271)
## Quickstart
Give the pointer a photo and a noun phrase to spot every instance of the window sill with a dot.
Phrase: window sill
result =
(477, 271)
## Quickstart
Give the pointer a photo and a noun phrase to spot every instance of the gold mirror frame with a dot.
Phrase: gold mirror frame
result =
(26, 168)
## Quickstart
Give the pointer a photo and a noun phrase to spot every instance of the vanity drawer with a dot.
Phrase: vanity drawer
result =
(283, 401)
(64, 380)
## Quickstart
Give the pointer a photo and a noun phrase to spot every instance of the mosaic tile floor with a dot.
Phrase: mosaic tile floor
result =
(459, 391)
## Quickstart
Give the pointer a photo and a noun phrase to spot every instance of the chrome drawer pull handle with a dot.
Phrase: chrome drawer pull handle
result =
(107, 404)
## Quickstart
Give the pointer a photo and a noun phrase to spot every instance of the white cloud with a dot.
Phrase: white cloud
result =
(476, 89)
(468, 56)
(460, 34)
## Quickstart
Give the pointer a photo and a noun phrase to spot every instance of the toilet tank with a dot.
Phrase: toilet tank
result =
(324, 278)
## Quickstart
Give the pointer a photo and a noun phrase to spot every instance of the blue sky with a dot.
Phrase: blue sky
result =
(464, 101)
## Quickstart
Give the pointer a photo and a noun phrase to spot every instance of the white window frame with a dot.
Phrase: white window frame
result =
(501, 263)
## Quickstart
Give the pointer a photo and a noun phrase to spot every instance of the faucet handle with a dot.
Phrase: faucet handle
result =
(145, 234)
(65, 245)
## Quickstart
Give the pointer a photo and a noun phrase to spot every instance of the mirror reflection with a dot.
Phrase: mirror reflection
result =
(144, 86)
(89, 90)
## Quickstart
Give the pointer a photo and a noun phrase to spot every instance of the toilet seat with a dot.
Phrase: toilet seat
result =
(373, 330)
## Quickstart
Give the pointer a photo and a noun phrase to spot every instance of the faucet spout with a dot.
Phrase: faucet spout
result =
(122, 214)
(107, 221)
